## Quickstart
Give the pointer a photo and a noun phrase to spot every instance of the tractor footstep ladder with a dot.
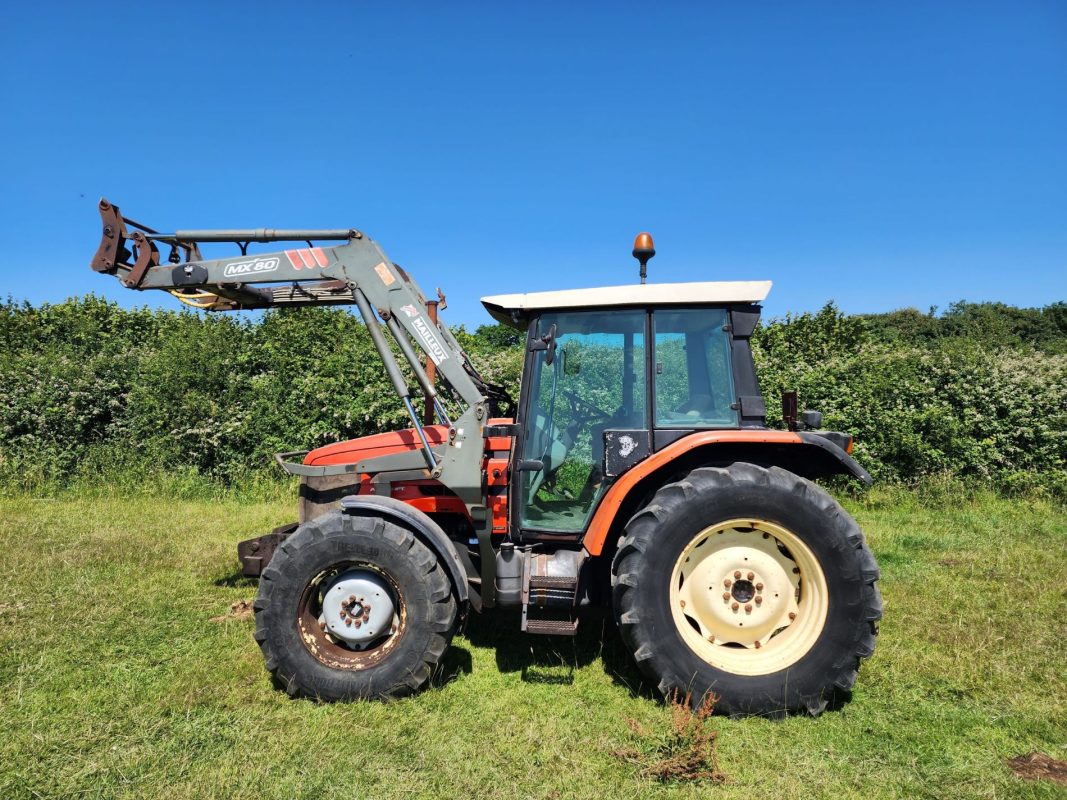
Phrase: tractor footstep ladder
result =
(557, 592)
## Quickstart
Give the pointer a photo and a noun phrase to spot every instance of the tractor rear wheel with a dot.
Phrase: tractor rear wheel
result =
(353, 607)
(750, 583)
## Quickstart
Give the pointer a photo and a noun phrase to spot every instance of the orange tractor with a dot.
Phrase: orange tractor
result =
(635, 471)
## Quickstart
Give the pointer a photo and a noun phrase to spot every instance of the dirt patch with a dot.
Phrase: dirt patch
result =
(686, 752)
(240, 611)
(1035, 766)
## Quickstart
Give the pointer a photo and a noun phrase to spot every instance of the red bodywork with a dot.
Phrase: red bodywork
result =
(429, 496)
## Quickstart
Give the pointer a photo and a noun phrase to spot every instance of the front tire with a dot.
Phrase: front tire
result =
(723, 548)
(353, 607)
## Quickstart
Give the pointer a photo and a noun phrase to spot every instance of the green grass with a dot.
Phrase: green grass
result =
(114, 681)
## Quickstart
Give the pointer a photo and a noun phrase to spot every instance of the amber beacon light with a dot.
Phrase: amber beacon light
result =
(643, 251)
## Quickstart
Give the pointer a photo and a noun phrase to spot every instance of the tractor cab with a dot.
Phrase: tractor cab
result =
(615, 373)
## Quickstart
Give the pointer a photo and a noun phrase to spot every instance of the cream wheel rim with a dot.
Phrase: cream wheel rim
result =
(748, 596)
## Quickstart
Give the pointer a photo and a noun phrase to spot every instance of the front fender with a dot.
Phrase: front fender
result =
(423, 528)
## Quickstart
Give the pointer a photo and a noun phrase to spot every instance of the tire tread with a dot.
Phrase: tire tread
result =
(629, 573)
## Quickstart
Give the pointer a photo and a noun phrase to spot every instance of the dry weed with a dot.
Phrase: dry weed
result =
(686, 752)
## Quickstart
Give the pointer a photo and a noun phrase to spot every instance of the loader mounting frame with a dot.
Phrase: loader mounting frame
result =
(354, 272)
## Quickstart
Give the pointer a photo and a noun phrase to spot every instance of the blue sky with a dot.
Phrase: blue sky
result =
(881, 155)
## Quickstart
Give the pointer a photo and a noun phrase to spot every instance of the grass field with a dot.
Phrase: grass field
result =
(116, 680)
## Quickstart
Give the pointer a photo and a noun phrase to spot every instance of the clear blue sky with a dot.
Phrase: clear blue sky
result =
(883, 155)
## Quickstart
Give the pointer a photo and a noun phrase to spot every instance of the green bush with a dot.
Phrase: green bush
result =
(954, 404)
(90, 391)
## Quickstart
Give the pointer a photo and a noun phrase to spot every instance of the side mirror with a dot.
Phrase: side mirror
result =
(546, 343)
(550, 341)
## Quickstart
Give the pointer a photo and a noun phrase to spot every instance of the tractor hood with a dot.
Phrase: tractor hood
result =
(378, 444)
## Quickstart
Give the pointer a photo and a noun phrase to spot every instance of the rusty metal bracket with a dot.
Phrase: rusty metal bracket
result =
(111, 252)
(147, 256)
(255, 554)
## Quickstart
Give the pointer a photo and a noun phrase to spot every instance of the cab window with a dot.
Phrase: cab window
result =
(692, 370)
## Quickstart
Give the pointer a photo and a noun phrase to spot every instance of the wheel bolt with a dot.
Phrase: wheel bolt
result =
(727, 583)
(358, 623)
(737, 574)
(348, 622)
(758, 599)
(748, 607)
(734, 606)
(759, 587)
(712, 638)
(758, 645)
(792, 616)
(751, 575)
(725, 596)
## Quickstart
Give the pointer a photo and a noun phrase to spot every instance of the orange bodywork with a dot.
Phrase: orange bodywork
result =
(429, 496)
(432, 497)
(600, 524)
(378, 444)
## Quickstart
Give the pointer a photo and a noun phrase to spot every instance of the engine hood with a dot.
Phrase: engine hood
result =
(378, 444)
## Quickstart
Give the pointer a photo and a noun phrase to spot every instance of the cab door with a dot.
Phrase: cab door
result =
(585, 373)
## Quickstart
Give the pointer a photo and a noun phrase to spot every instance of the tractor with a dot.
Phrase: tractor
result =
(635, 471)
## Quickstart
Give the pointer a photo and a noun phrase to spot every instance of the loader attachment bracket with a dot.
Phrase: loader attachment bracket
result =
(112, 240)
(113, 255)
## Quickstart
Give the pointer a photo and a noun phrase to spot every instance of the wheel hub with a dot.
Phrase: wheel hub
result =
(357, 607)
(741, 599)
(743, 591)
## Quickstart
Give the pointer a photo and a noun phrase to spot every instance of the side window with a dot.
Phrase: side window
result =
(693, 373)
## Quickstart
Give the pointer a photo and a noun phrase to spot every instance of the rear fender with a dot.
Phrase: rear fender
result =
(804, 453)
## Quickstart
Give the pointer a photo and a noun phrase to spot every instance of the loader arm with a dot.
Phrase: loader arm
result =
(357, 272)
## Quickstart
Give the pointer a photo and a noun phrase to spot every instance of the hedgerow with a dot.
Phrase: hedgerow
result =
(89, 390)
(951, 404)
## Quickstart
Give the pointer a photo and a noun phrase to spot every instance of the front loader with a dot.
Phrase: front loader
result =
(635, 471)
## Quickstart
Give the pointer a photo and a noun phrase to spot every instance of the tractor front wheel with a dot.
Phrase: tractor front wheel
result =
(353, 607)
(750, 583)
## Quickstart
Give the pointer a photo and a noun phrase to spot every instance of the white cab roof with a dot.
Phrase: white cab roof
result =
(503, 306)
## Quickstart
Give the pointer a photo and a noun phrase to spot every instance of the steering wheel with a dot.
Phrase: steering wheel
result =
(578, 403)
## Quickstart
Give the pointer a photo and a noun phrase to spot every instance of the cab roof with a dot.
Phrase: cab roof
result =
(507, 307)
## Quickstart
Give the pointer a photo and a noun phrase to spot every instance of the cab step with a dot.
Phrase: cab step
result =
(553, 582)
(551, 627)
(551, 593)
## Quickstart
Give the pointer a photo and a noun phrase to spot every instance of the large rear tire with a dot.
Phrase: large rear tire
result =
(353, 607)
(750, 583)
